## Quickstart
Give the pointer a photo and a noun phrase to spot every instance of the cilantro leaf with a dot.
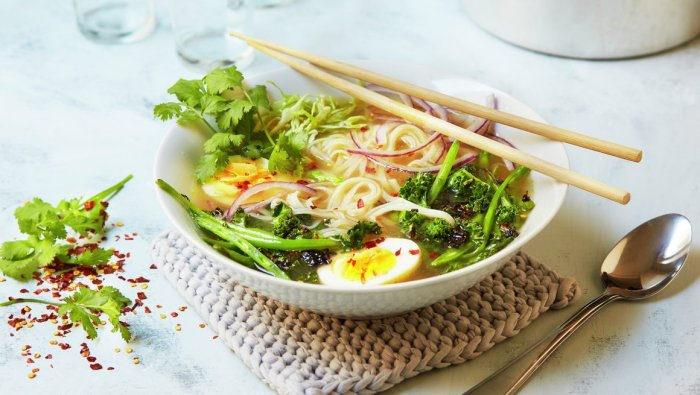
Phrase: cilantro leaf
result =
(258, 96)
(213, 104)
(107, 300)
(286, 156)
(78, 314)
(223, 142)
(40, 219)
(188, 91)
(188, 117)
(235, 110)
(84, 256)
(209, 164)
(220, 80)
(83, 217)
(166, 111)
(21, 258)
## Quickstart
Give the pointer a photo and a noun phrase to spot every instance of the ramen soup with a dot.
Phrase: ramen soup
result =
(332, 191)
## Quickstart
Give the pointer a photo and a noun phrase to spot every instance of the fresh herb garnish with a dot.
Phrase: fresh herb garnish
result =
(245, 123)
(46, 225)
(84, 307)
(218, 99)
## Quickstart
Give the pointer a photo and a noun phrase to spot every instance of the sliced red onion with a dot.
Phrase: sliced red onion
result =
(387, 154)
(406, 99)
(422, 104)
(480, 125)
(292, 186)
(256, 206)
(439, 110)
(464, 159)
(501, 140)
(444, 149)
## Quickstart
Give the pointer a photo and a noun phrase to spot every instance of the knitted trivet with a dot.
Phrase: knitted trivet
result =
(299, 352)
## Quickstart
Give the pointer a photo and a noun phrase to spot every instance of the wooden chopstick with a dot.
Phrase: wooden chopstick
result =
(528, 125)
(428, 121)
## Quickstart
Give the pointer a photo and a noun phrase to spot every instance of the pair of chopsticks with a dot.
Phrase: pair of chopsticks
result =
(429, 122)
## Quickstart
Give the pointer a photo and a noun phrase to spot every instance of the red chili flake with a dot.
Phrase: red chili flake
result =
(158, 306)
(137, 303)
(414, 252)
(362, 277)
(153, 266)
(141, 295)
(173, 314)
(360, 203)
(110, 368)
(398, 252)
(395, 194)
(29, 360)
(215, 337)
(364, 129)
(433, 255)
(71, 240)
(23, 291)
(91, 359)
(89, 205)
(302, 182)
(352, 261)
(147, 310)
(95, 366)
(313, 206)
(48, 356)
(312, 166)
(373, 243)
(138, 280)
(64, 327)
(370, 170)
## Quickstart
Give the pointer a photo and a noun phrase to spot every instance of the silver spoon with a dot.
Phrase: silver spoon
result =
(640, 265)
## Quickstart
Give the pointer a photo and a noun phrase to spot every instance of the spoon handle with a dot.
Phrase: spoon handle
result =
(510, 378)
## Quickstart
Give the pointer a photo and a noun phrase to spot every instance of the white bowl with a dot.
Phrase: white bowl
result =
(180, 150)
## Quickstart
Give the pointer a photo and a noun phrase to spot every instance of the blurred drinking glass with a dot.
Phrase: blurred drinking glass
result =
(115, 21)
(201, 32)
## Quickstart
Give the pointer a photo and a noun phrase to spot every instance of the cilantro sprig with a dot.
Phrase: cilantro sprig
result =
(46, 225)
(85, 306)
(243, 122)
(220, 103)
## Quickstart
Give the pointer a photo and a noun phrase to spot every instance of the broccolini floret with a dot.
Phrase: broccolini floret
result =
(416, 188)
(284, 223)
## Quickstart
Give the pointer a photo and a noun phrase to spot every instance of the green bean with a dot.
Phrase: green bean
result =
(445, 169)
(208, 222)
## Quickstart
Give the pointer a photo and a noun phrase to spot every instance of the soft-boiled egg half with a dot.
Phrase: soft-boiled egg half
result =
(240, 174)
(389, 261)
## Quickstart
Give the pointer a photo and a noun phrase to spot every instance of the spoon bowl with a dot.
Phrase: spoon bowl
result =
(646, 260)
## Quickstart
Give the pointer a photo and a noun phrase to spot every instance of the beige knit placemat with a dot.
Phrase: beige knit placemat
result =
(299, 352)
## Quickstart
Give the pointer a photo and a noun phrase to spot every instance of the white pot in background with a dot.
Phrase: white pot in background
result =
(592, 29)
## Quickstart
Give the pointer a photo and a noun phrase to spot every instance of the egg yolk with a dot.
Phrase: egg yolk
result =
(364, 265)
(243, 173)
(240, 174)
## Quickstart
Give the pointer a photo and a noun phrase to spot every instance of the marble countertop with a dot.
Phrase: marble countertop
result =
(76, 116)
